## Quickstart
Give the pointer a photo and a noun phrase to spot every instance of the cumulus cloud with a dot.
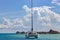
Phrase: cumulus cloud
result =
(7, 23)
(44, 12)
(56, 2)
(43, 18)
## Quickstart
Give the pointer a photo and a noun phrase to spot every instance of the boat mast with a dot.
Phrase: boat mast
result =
(31, 16)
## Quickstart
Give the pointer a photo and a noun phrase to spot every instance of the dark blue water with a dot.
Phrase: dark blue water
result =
(13, 36)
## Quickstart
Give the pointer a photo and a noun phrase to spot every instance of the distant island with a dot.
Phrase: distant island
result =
(50, 32)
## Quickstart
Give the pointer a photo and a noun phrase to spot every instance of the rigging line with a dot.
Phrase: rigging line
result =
(31, 15)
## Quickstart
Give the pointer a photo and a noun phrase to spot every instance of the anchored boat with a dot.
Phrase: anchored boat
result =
(31, 34)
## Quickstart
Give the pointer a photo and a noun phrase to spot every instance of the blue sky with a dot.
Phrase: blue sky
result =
(7, 6)
(13, 9)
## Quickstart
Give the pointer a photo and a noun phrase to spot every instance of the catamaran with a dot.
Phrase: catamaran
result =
(31, 34)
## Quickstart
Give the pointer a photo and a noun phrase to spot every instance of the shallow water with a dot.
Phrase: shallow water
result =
(13, 36)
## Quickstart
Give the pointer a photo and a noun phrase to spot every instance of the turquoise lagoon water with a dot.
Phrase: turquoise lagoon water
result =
(13, 36)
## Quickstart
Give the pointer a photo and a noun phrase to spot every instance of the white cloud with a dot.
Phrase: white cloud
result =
(44, 13)
(28, 10)
(56, 2)
(18, 22)
(43, 18)
(7, 23)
